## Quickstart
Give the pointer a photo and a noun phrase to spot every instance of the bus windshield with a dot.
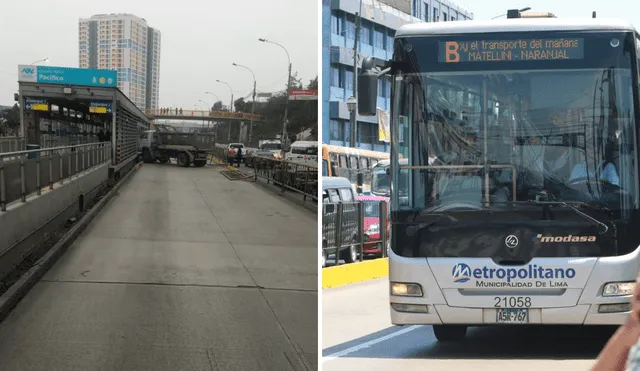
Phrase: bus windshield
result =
(489, 129)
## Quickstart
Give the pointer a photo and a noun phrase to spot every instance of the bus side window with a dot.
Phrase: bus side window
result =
(344, 166)
(364, 163)
(333, 160)
(353, 162)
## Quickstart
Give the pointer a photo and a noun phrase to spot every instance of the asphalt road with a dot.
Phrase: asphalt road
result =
(357, 336)
(183, 270)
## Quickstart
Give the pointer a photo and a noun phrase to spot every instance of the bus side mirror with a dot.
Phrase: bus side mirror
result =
(360, 179)
(367, 92)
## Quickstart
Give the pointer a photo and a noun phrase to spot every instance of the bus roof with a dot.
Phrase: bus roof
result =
(513, 25)
(355, 151)
(335, 182)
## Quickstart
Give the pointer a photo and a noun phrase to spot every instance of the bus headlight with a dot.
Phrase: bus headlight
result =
(618, 288)
(405, 289)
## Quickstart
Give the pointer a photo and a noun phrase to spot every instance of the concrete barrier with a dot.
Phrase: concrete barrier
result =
(345, 274)
(25, 224)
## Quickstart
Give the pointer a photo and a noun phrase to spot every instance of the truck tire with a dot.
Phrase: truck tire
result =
(183, 159)
(199, 163)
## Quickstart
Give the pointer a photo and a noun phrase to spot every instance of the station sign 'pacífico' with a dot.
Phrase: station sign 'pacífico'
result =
(68, 76)
(510, 50)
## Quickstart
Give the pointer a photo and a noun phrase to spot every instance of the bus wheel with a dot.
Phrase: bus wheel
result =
(450, 333)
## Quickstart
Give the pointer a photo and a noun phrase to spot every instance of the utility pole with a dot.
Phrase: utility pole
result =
(286, 113)
(253, 110)
(354, 114)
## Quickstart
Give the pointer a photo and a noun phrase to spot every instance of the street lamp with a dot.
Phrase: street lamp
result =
(253, 105)
(286, 105)
(215, 96)
(231, 91)
(41, 60)
(519, 10)
(208, 109)
(351, 106)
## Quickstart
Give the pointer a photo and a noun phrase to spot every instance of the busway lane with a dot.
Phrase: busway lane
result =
(182, 270)
(357, 335)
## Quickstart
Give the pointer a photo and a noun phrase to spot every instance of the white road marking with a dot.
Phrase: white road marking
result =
(369, 343)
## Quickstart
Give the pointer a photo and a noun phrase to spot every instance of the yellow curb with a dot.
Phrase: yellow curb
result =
(355, 272)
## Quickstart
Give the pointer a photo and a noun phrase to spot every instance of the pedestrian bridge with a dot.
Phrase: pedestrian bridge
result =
(178, 114)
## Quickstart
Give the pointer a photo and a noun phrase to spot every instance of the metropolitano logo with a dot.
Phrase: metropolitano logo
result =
(27, 73)
(461, 273)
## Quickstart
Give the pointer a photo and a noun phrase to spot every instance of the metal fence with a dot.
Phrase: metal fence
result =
(11, 144)
(291, 176)
(26, 172)
(353, 230)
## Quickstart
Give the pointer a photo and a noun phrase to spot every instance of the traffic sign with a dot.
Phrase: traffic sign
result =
(100, 107)
(303, 94)
(36, 104)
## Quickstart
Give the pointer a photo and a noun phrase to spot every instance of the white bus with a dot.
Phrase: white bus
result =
(495, 220)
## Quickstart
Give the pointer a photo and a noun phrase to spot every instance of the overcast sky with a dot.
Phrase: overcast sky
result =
(625, 9)
(200, 41)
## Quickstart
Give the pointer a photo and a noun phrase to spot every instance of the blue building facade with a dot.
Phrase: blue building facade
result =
(379, 21)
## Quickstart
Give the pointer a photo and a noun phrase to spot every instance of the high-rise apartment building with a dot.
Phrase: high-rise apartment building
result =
(125, 43)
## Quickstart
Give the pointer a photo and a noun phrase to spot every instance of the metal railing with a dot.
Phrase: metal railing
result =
(26, 172)
(199, 113)
(291, 176)
(12, 144)
(353, 230)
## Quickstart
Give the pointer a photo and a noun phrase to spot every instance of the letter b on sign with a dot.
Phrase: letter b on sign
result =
(451, 52)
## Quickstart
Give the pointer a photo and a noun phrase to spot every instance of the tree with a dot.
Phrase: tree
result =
(10, 120)
(218, 106)
(239, 105)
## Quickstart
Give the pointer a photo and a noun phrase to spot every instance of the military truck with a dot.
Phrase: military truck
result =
(164, 143)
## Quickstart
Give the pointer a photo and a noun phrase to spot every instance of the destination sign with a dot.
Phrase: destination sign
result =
(100, 107)
(510, 50)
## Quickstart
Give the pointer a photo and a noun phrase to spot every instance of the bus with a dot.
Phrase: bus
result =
(518, 201)
(347, 162)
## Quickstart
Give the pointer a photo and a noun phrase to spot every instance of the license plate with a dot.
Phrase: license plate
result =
(512, 316)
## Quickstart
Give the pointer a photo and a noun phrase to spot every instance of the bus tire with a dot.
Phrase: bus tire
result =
(450, 333)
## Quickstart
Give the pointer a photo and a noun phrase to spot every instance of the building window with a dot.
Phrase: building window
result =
(416, 8)
(335, 23)
(350, 27)
(336, 131)
(336, 78)
(348, 79)
(435, 15)
(365, 33)
(378, 37)
(444, 16)
(365, 133)
(426, 12)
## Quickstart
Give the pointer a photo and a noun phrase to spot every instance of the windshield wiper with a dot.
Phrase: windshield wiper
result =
(602, 226)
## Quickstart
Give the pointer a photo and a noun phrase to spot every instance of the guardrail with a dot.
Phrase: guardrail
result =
(22, 172)
(351, 230)
(11, 144)
(291, 176)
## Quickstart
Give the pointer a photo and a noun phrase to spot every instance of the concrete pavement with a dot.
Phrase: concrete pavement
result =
(183, 270)
(357, 335)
